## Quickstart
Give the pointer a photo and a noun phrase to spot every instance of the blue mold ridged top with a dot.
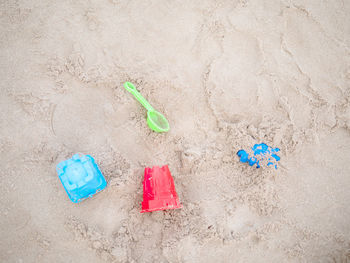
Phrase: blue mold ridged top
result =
(262, 152)
(81, 177)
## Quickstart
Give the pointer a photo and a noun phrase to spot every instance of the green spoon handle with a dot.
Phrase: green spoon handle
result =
(131, 88)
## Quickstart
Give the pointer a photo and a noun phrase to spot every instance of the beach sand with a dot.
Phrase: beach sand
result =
(227, 75)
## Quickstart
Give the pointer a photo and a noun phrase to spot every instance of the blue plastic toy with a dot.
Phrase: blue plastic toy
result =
(81, 177)
(262, 153)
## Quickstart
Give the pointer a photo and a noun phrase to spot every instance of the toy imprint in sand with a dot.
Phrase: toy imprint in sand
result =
(261, 155)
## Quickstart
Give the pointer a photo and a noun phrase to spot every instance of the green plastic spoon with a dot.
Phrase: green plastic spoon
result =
(155, 120)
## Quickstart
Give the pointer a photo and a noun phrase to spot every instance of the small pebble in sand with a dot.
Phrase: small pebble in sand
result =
(147, 233)
(226, 159)
(120, 254)
(132, 114)
(122, 230)
(96, 244)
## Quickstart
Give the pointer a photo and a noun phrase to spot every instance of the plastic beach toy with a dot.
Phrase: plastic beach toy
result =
(159, 190)
(81, 177)
(263, 154)
(156, 121)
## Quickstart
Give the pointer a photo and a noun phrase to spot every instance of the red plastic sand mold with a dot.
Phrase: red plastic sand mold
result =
(159, 190)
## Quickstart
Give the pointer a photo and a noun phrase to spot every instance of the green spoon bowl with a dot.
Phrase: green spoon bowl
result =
(155, 120)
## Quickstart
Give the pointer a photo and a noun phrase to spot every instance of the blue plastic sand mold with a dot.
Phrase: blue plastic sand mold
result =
(81, 177)
(262, 154)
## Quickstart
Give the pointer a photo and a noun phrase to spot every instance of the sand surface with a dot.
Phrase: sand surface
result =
(227, 75)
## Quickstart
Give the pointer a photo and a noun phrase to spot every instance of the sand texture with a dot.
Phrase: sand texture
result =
(227, 75)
